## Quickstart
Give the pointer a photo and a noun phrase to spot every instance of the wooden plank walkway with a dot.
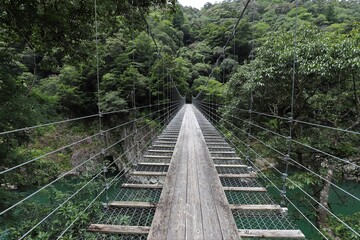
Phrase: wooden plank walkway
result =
(177, 191)
(193, 204)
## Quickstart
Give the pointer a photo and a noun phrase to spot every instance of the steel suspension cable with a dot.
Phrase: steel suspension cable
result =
(295, 162)
(81, 188)
(277, 170)
(117, 177)
(301, 189)
(291, 118)
(226, 44)
(294, 120)
(68, 120)
(73, 195)
(70, 145)
(298, 142)
(76, 167)
(274, 185)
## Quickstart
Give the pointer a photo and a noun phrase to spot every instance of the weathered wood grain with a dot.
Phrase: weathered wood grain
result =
(117, 229)
(133, 185)
(193, 204)
(132, 204)
(263, 233)
(255, 207)
(245, 189)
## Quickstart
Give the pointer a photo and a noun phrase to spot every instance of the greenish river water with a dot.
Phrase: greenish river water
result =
(341, 204)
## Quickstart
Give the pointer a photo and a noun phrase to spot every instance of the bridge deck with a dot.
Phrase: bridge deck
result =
(191, 184)
(193, 204)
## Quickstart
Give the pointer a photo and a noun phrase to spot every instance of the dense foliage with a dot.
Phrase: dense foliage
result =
(49, 73)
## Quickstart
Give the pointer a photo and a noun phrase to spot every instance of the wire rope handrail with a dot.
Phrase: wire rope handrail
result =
(300, 188)
(73, 195)
(76, 167)
(287, 119)
(298, 142)
(77, 142)
(295, 162)
(76, 119)
(118, 176)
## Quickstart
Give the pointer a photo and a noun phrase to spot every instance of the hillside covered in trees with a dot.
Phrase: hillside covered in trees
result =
(48, 73)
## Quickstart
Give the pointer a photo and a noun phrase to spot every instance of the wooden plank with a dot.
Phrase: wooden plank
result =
(220, 147)
(228, 175)
(194, 216)
(132, 204)
(212, 229)
(193, 204)
(225, 143)
(145, 173)
(160, 151)
(133, 185)
(153, 164)
(245, 189)
(159, 226)
(231, 165)
(117, 229)
(263, 233)
(255, 207)
(177, 220)
(166, 142)
(164, 146)
(228, 152)
(156, 156)
(217, 203)
(226, 158)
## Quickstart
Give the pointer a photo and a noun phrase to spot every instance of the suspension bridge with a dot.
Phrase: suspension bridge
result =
(185, 173)
(204, 192)
(188, 180)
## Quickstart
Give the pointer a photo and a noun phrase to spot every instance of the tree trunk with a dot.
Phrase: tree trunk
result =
(324, 197)
(324, 200)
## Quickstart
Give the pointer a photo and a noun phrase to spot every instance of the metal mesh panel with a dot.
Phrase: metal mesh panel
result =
(215, 145)
(137, 195)
(95, 236)
(240, 182)
(154, 153)
(232, 170)
(149, 168)
(127, 216)
(223, 154)
(227, 162)
(156, 160)
(237, 197)
(163, 147)
(262, 220)
(243, 238)
(222, 148)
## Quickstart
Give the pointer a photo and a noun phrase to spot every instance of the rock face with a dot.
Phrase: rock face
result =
(351, 172)
(147, 180)
(124, 154)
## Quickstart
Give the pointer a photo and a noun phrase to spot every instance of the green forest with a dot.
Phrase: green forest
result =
(50, 51)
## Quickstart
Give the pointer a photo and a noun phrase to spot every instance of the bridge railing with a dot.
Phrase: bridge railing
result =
(260, 150)
(145, 123)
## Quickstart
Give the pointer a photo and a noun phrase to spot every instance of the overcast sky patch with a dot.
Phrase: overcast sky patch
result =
(196, 3)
